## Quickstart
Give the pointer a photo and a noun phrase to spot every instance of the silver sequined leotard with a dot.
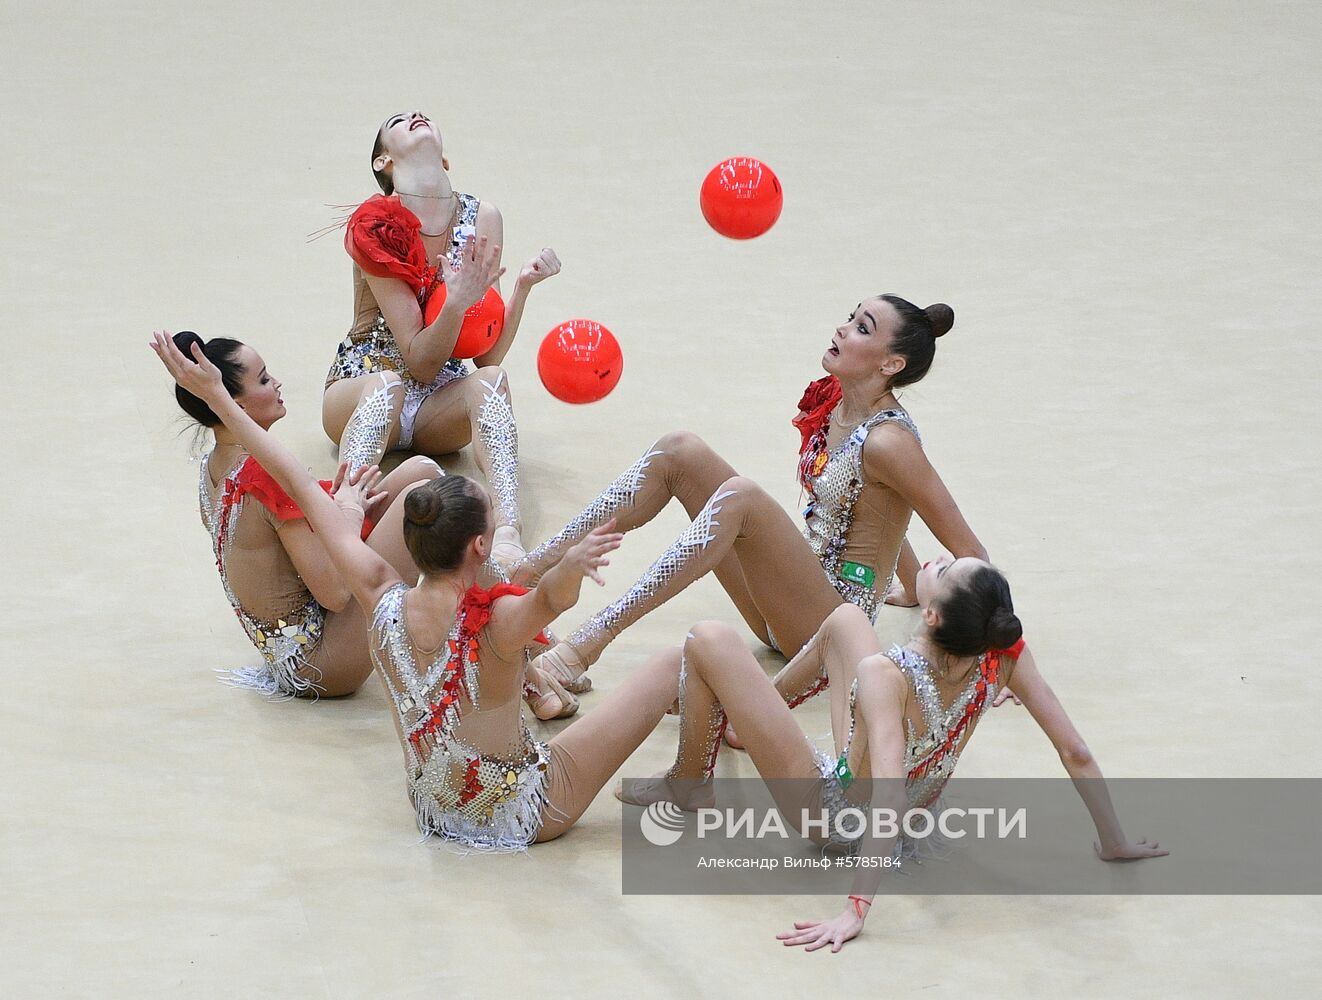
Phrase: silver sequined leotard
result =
(370, 346)
(277, 611)
(835, 485)
(930, 756)
(480, 800)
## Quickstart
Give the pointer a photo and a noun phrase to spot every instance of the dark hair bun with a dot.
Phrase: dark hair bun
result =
(423, 506)
(221, 352)
(184, 340)
(1003, 628)
(942, 318)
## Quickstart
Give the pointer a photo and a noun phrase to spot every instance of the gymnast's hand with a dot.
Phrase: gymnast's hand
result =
(477, 270)
(814, 934)
(541, 267)
(589, 555)
(361, 491)
(198, 375)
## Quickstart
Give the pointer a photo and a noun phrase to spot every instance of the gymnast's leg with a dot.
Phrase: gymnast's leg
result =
(363, 415)
(679, 465)
(588, 752)
(720, 677)
(479, 408)
(784, 580)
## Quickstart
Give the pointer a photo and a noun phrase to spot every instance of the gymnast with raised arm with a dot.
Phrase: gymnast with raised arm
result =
(394, 383)
(453, 655)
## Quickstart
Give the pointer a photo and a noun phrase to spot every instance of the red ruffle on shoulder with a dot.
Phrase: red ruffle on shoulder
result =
(475, 608)
(1013, 652)
(384, 239)
(815, 408)
(473, 614)
(253, 480)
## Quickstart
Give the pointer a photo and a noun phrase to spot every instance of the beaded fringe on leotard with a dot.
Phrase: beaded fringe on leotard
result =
(514, 823)
(287, 678)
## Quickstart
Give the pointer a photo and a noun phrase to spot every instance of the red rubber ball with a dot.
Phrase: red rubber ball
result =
(481, 326)
(741, 198)
(580, 361)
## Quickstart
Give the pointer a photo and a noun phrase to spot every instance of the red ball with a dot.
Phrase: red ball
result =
(481, 326)
(580, 361)
(741, 198)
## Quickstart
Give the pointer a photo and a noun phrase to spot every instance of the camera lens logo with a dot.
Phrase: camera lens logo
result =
(662, 823)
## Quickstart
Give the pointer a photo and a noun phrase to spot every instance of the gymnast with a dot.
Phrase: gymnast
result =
(900, 721)
(453, 654)
(862, 467)
(394, 382)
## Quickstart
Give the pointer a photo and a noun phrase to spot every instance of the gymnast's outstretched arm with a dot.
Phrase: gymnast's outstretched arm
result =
(516, 620)
(541, 267)
(882, 691)
(367, 574)
(1049, 714)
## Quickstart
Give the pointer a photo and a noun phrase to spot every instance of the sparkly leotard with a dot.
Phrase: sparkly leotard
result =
(371, 347)
(277, 611)
(851, 524)
(930, 754)
(484, 801)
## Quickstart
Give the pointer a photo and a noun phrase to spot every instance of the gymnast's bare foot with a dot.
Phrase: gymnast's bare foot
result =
(898, 597)
(562, 662)
(507, 547)
(552, 701)
(732, 738)
(688, 793)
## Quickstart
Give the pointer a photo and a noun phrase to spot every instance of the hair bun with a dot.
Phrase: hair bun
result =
(184, 340)
(1003, 628)
(423, 506)
(942, 318)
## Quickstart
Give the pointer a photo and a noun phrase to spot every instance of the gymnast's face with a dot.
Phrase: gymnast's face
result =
(941, 578)
(861, 345)
(408, 133)
(260, 395)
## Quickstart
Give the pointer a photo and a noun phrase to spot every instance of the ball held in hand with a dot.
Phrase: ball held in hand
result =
(482, 322)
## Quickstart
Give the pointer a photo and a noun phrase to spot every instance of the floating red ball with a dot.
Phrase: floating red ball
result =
(580, 361)
(481, 326)
(741, 198)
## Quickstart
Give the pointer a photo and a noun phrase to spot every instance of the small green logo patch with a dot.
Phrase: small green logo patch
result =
(843, 772)
(853, 572)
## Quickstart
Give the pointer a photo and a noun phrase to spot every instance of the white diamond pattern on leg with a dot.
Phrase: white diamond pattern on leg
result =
(642, 597)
